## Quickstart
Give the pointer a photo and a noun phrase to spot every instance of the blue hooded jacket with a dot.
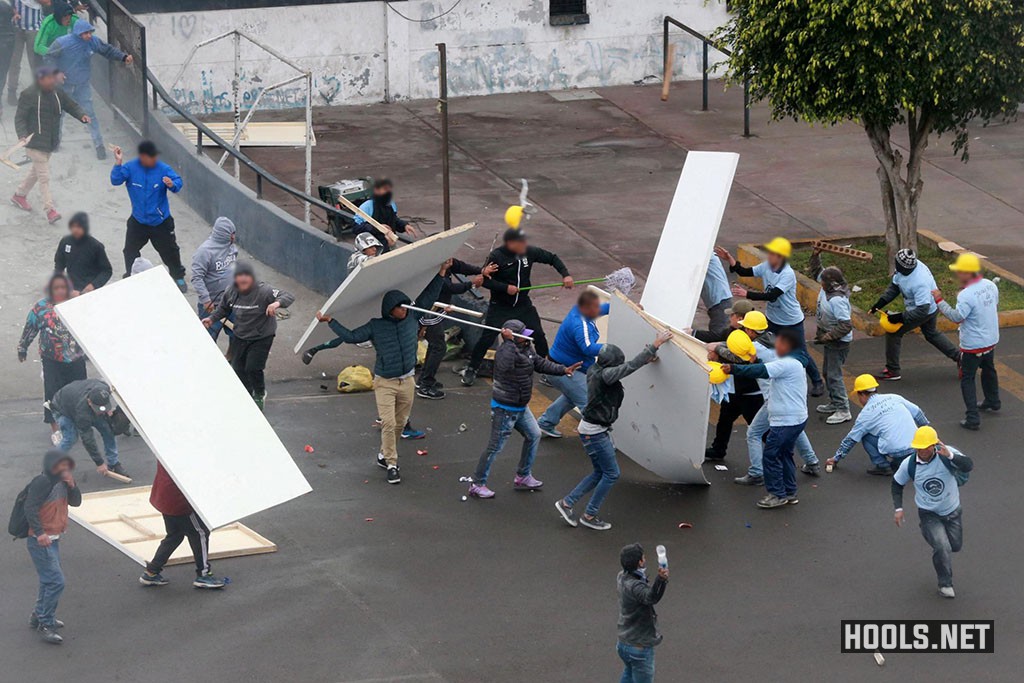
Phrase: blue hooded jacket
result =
(146, 189)
(73, 56)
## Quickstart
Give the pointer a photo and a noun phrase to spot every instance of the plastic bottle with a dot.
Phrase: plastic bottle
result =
(662, 557)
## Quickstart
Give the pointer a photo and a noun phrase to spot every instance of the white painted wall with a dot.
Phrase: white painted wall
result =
(364, 52)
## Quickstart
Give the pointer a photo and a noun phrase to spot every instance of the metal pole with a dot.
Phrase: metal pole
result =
(309, 142)
(259, 186)
(746, 107)
(442, 106)
(236, 92)
(704, 106)
(199, 142)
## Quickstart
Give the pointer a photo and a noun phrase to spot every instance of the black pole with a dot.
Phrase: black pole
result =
(704, 106)
(442, 107)
(746, 107)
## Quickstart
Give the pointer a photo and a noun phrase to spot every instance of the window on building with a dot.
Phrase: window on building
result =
(569, 12)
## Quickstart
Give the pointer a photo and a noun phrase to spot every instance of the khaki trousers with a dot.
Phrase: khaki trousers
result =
(40, 172)
(394, 403)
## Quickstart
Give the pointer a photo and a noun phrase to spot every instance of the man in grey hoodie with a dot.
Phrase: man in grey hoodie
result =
(255, 306)
(213, 268)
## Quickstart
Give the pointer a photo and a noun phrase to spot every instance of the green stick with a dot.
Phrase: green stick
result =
(559, 284)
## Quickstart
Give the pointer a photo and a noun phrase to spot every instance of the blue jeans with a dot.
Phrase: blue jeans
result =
(880, 459)
(639, 663)
(51, 579)
(574, 394)
(502, 423)
(779, 468)
(83, 95)
(69, 435)
(813, 373)
(755, 444)
(215, 328)
(606, 472)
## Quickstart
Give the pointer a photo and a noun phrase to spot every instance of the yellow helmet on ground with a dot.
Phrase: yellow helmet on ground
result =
(716, 375)
(865, 383)
(756, 321)
(966, 263)
(740, 345)
(925, 437)
(780, 246)
(888, 326)
(514, 216)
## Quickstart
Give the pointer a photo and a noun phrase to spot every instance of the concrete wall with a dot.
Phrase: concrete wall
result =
(365, 52)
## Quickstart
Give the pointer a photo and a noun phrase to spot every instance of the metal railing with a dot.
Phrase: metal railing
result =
(705, 44)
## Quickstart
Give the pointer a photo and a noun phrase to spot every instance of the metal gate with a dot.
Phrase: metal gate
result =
(128, 81)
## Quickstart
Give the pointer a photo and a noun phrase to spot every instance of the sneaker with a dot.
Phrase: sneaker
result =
(261, 400)
(566, 512)
(56, 437)
(119, 469)
(381, 462)
(887, 375)
(307, 357)
(49, 634)
(880, 471)
(209, 581)
(21, 202)
(182, 285)
(527, 483)
(413, 434)
(148, 579)
(432, 393)
(811, 469)
(480, 491)
(595, 523)
(468, 377)
(393, 476)
(748, 480)
(101, 152)
(826, 409)
(792, 500)
(771, 501)
(33, 622)
(947, 592)
(838, 417)
(973, 426)
(818, 388)
(713, 455)
(52, 216)
(365, 345)
(988, 407)
(552, 432)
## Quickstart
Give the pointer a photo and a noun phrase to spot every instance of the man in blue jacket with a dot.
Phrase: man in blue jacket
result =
(72, 55)
(148, 179)
(576, 342)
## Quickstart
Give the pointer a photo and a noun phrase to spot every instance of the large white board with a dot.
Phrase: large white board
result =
(684, 251)
(146, 340)
(408, 268)
(663, 421)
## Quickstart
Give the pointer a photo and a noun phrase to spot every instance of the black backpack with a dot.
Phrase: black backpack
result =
(18, 525)
(958, 474)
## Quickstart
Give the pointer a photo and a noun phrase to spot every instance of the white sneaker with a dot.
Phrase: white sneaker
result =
(56, 438)
(946, 592)
(839, 417)
(826, 408)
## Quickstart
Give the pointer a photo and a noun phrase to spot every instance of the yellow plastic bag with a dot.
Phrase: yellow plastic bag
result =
(355, 378)
(421, 351)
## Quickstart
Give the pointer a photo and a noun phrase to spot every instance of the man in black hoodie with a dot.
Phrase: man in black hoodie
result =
(514, 260)
(82, 257)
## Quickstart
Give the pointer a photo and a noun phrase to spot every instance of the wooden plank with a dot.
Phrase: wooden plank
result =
(667, 79)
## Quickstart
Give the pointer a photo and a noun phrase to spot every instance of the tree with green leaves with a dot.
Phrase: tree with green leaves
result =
(929, 66)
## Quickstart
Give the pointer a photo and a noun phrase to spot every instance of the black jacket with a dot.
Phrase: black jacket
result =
(48, 498)
(453, 287)
(85, 261)
(515, 270)
(638, 622)
(72, 402)
(514, 364)
(38, 115)
(604, 382)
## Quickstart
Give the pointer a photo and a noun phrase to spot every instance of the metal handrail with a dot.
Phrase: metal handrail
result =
(705, 42)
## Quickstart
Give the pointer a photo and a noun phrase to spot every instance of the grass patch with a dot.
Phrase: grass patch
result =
(873, 276)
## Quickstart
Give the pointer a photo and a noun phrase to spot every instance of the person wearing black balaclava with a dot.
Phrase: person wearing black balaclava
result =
(82, 257)
(382, 208)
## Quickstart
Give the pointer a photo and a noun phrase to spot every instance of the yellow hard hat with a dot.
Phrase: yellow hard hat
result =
(716, 375)
(740, 345)
(780, 246)
(966, 263)
(514, 216)
(864, 383)
(890, 327)
(756, 321)
(925, 437)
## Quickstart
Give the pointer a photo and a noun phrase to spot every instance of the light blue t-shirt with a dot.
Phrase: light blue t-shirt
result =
(977, 311)
(787, 399)
(917, 287)
(786, 309)
(890, 418)
(765, 354)
(935, 487)
(716, 284)
(832, 311)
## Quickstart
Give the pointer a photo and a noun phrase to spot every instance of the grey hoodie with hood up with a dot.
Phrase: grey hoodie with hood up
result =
(213, 265)
(604, 383)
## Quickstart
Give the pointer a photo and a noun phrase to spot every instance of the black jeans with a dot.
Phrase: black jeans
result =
(746, 405)
(970, 363)
(250, 360)
(436, 348)
(497, 316)
(894, 342)
(180, 527)
(163, 239)
(57, 375)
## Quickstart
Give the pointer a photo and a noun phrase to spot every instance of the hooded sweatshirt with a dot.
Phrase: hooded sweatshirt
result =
(394, 340)
(73, 56)
(72, 402)
(250, 308)
(48, 498)
(833, 312)
(604, 386)
(84, 260)
(213, 265)
(514, 364)
(51, 29)
(39, 113)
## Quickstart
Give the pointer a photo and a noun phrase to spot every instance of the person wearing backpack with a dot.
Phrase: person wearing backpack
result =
(44, 519)
(938, 471)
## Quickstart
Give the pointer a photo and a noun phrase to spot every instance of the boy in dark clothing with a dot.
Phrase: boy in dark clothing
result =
(82, 257)
(638, 622)
(254, 305)
(181, 522)
(745, 400)
(382, 208)
(514, 365)
(46, 509)
(395, 336)
(81, 406)
(514, 260)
